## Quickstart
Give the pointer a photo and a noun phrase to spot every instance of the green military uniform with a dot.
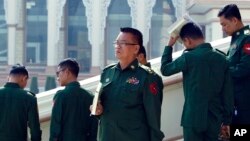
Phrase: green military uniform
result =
(17, 108)
(71, 120)
(207, 90)
(131, 100)
(239, 60)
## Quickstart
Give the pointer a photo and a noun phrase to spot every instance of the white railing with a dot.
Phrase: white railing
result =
(172, 101)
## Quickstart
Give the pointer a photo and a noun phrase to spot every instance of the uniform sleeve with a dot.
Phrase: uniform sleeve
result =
(152, 100)
(168, 66)
(227, 98)
(242, 69)
(33, 121)
(56, 117)
(93, 126)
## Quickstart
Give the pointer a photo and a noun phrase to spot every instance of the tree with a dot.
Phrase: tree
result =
(34, 85)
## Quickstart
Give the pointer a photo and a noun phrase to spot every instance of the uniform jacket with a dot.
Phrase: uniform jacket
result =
(17, 108)
(132, 100)
(71, 120)
(239, 60)
(206, 82)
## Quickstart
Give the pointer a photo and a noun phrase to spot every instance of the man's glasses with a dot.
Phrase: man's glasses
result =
(57, 72)
(123, 44)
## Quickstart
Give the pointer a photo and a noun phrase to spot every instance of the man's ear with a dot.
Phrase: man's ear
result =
(137, 47)
(234, 20)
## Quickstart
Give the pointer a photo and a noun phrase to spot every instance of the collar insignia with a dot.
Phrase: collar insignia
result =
(107, 80)
(132, 67)
(133, 81)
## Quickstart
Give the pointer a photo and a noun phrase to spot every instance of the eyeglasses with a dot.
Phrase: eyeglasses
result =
(57, 72)
(123, 44)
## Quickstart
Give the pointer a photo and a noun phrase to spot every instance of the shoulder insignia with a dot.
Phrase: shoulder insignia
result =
(247, 32)
(219, 51)
(31, 93)
(148, 69)
(246, 48)
(109, 66)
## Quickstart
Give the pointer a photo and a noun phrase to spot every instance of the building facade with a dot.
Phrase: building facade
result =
(40, 33)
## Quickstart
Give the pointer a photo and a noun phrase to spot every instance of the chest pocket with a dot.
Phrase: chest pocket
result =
(130, 94)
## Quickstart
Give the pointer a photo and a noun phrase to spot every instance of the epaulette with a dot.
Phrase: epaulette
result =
(109, 66)
(219, 51)
(148, 69)
(247, 32)
(31, 93)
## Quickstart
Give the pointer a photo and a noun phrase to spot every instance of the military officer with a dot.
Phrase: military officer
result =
(17, 108)
(206, 83)
(239, 60)
(71, 120)
(131, 96)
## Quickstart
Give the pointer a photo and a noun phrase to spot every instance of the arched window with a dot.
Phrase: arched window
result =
(118, 16)
(77, 43)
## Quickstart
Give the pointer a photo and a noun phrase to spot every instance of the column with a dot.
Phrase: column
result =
(20, 53)
(141, 13)
(96, 12)
(54, 45)
(11, 21)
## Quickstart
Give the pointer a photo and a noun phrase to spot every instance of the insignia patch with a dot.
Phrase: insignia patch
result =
(246, 48)
(153, 88)
(133, 81)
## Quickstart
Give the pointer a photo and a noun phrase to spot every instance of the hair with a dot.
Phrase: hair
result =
(136, 33)
(230, 11)
(70, 64)
(143, 51)
(191, 30)
(19, 70)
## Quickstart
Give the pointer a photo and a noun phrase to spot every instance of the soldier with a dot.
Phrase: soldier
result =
(17, 108)
(206, 83)
(142, 57)
(131, 96)
(71, 120)
(239, 60)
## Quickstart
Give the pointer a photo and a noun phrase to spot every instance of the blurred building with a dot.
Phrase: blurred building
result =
(40, 33)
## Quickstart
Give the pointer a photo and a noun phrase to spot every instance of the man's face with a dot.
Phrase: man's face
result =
(61, 76)
(126, 46)
(228, 25)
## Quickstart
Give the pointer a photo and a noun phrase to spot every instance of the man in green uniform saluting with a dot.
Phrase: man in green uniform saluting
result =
(206, 82)
(131, 95)
(18, 108)
(239, 60)
(71, 120)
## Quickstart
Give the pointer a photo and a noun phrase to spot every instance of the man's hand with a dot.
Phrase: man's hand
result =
(99, 108)
(225, 132)
(172, 40)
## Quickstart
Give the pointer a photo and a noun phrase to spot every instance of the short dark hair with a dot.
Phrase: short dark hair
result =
(19, 70)
(70, 64)
(230, 11)
(143, 51)
(191, 30)
(137, 34)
